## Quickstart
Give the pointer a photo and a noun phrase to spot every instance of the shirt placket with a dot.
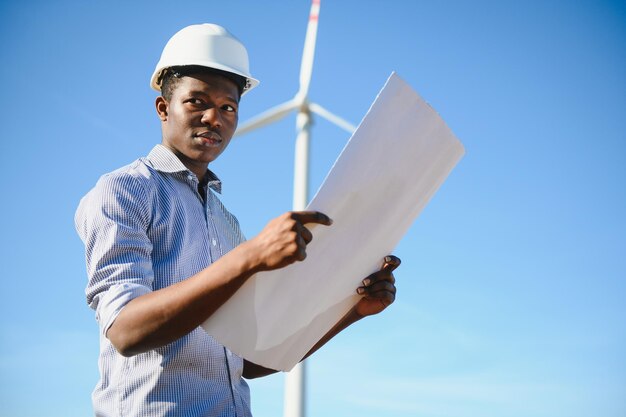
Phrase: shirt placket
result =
(215, 252)
(235, 406)
(215, 248)
(212, 234)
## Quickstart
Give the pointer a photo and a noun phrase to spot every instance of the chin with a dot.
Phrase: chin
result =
(208, 158)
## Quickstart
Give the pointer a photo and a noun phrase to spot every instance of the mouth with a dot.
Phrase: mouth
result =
(209, 138)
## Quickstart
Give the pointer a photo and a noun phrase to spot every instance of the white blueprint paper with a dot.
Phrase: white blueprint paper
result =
(395, 161)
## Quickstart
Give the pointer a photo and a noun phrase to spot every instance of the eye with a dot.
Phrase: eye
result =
(229, 108)
(194, 101)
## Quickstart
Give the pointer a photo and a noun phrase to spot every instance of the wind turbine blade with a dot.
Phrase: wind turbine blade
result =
(306, 66)
(269, 116)
(345, 125)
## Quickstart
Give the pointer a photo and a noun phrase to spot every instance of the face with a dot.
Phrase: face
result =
(200, 119)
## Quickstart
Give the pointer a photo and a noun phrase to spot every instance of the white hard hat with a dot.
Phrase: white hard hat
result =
(206, 45)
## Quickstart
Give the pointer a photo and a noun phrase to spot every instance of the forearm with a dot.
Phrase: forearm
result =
(350, 318)
(160, 317)
(252, 370)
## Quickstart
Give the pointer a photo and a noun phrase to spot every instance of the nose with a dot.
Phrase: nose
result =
(212, 117)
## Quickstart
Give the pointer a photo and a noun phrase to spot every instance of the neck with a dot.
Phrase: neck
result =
(198, 168)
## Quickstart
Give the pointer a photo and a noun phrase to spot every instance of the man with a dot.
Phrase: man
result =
(163, 254)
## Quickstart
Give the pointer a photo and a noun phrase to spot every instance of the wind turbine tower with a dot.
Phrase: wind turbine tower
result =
(295, 380)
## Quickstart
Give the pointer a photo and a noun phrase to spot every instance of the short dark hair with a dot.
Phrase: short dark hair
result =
(170, 77)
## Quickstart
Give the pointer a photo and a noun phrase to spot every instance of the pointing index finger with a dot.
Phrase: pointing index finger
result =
(312, 217)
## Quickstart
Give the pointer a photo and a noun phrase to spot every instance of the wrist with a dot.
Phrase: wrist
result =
(353, 316)
(251, 259)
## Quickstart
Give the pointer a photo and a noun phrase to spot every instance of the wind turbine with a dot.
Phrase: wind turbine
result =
(294, 382)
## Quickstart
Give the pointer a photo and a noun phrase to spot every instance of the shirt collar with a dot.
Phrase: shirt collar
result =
(164, 160)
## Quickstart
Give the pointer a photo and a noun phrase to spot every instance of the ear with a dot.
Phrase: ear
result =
(162, 107)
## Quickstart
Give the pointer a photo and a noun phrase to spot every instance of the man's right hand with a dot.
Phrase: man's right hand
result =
(283, 240)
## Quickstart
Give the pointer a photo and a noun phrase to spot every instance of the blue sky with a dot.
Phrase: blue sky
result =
(511, 293)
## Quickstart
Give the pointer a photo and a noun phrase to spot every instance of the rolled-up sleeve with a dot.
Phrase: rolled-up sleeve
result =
(112, 301)
(113, 221)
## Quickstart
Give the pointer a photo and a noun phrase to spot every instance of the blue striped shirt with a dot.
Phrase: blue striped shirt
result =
(145, 226)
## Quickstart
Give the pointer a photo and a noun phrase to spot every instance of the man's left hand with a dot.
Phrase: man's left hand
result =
(378, 289)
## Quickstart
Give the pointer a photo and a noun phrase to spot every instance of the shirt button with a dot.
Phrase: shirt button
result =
(189, 177)
(214, 242)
